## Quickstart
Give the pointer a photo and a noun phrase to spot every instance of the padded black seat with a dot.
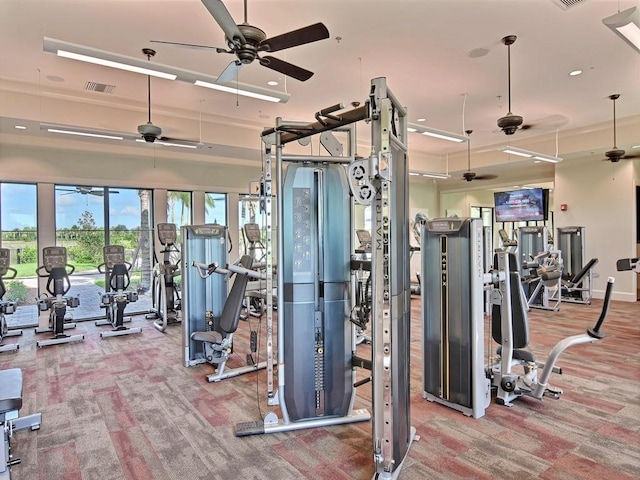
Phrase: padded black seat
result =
(210, 337)
(10, 390)
(520, 354)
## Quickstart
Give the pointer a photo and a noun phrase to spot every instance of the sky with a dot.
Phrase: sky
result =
(18, 207)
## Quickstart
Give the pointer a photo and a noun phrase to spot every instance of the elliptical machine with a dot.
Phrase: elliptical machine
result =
(116, 300)
(58, 285)
(166, 297)
(7, 307)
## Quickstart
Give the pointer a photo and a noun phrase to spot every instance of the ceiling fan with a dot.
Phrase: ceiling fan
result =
(85, 191)
(510, 123)
(245, 41)
(148, 131)
(469, 175)
(615, 154)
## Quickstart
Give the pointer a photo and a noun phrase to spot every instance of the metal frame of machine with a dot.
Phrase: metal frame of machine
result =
(380, 180)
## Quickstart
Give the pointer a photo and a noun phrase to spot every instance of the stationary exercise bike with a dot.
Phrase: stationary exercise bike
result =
(7, 307)
(510, 329)
(58, 285)
(117, 297)
(166, 297)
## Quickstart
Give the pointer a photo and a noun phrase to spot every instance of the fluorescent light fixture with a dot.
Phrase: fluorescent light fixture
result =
(528, 154)
(20, 127)
(84, 134)
(441, 176)
(626, 25)
(239, 91)
(139, 65)
(575, 72)
(111, 64)
(106, 59)
(434, 132)
(635, 146)
(167, 144)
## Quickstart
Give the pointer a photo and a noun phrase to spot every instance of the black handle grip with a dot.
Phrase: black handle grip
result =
(595, 331)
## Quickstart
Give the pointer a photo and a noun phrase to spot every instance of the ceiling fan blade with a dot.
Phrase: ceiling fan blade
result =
(309, 34)
(230, 72)
(192, 46)
(221, 15)
(486, 177)
(286, 68)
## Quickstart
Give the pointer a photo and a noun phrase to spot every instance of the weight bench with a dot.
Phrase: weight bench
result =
(573, 288)
(10, 405)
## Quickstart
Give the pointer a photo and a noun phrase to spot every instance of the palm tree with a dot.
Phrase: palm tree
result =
(185, 202)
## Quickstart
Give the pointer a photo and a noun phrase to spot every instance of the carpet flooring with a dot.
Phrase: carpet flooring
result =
(126, 408)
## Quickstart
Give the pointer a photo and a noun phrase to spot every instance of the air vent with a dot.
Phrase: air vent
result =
(567, 4)
(99, 87)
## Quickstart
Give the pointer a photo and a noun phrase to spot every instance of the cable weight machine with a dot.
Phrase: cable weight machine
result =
(316, 338)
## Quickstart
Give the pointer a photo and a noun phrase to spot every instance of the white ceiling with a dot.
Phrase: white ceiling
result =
(422, 47)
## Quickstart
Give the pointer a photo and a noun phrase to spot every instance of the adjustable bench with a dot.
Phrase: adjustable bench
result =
(10, 404)
(574, 289)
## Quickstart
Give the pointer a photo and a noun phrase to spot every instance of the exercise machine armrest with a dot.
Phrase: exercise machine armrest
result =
(626, 264)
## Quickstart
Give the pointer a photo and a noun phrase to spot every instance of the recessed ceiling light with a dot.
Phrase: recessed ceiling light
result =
(273, 83)
(20, 127)
(422, 120)
(537, 161)
(575, 72)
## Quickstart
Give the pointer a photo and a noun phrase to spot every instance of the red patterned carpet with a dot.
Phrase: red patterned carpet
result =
(126, 408)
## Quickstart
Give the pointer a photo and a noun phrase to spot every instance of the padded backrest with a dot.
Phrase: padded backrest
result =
(119, 277)
(58, 282)
(582, 273)
(519, 318)
(230, 316)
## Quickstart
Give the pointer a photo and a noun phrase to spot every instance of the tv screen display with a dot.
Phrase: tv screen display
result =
(520, 205)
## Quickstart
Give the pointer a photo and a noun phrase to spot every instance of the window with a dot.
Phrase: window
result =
(215, 208)
(18, 223)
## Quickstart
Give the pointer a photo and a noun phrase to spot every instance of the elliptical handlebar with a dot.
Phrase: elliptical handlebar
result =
(46, 275)
(5, 277)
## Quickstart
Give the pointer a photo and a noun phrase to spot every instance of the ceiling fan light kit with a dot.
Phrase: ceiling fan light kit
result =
(626, 25)
(529, 154)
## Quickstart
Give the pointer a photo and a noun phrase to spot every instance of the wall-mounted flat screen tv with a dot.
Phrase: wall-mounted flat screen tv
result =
(529, 205)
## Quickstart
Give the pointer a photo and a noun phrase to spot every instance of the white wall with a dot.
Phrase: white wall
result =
(423, 198)
(601, 197)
